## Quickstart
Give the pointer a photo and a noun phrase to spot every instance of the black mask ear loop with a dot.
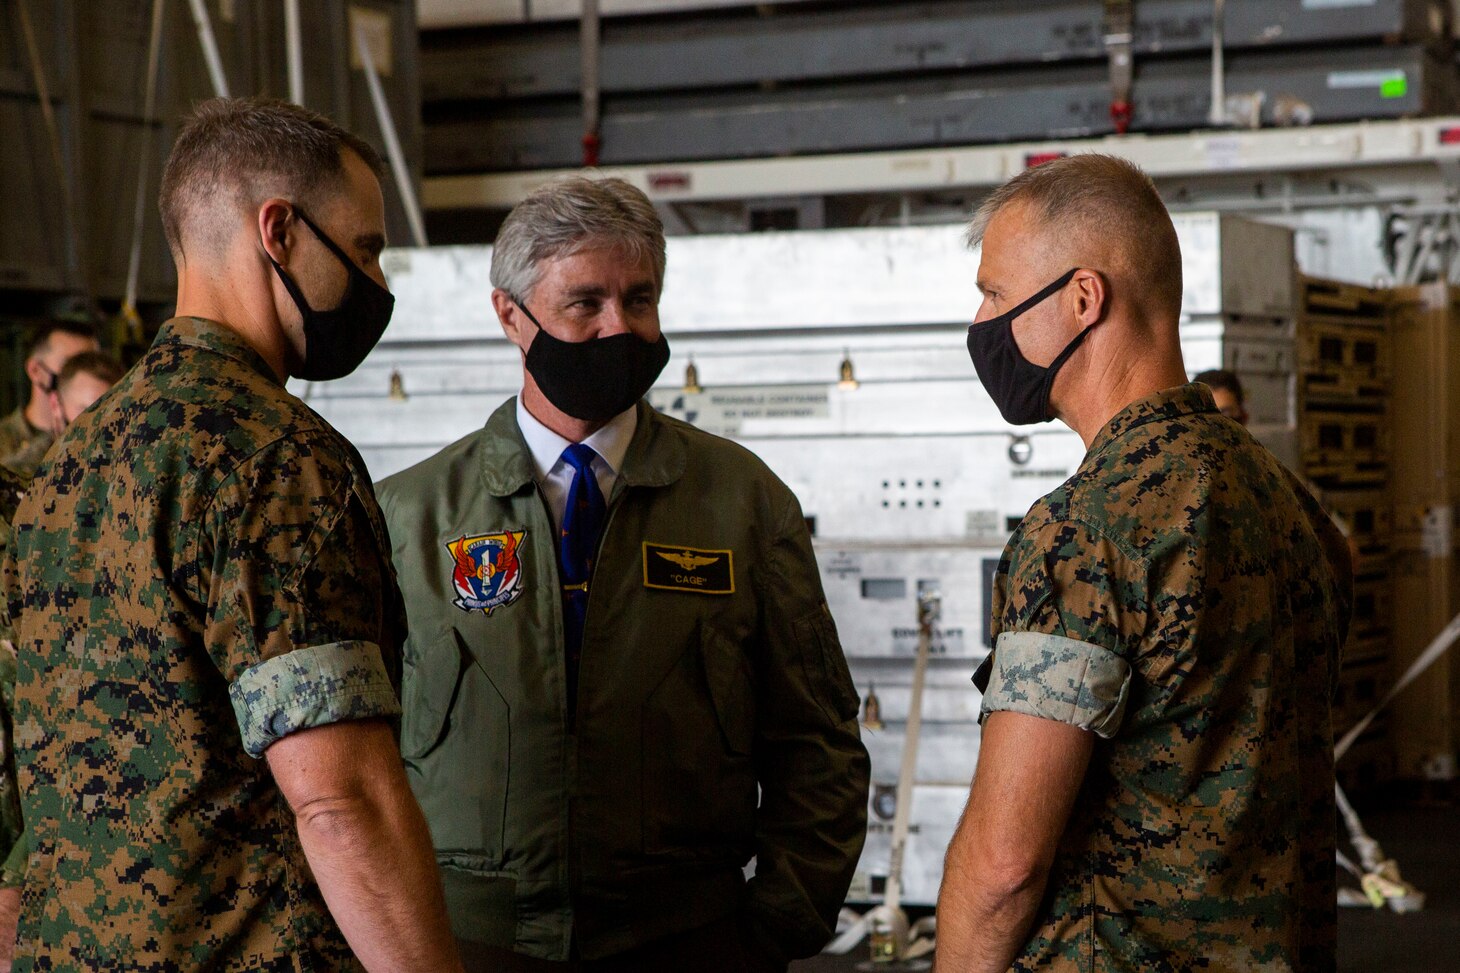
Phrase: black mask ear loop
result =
(1070, 348)
(529, 314)
(351, 268)
(1040, 298)
(322, 238)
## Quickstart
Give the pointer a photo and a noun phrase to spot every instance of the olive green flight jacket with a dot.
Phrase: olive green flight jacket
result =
(715, 717)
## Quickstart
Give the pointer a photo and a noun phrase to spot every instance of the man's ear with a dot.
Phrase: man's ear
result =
(277, 228)
(39, 375)
(510, 316)
(1092, 297)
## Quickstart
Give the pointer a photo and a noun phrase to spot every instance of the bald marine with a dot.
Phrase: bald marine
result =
(1081, 280)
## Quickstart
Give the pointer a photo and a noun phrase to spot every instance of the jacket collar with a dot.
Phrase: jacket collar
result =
(217, 338)
(1183, 400)
(656, 456)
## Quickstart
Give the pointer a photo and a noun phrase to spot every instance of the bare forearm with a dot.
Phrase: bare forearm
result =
(9, 917)
(375, 867)
(982, 923)
(1029, 772)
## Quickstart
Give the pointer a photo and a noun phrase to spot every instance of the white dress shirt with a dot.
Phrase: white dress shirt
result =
(555, 475)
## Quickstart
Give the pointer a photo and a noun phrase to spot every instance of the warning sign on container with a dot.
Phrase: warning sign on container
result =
(724, 411)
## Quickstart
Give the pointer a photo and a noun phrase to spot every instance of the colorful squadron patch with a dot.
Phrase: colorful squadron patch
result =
(488, 571)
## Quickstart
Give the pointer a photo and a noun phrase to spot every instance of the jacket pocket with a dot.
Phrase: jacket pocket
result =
(727, 673)
(429, 682)
(456, 738)
(825, 666)
(698, 790)
(481, 903)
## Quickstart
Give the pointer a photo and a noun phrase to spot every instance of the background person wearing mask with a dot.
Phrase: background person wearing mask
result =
(206, 619)
(622, 681)
(28, 432)
(81, 381)
(1155, 777)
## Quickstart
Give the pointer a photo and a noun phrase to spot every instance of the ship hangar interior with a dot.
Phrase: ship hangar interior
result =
(815, 164)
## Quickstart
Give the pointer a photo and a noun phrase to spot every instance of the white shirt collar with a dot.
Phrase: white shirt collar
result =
(611, 442)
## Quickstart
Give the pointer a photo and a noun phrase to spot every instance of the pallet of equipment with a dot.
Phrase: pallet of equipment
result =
(1365, 513)
(1331, 438)
(1372, 563)
(1371, 606)
(1342, 475)
(1338, 301)
(1340, 386)
(1361, 684)
(1361, 649)
(1329, 348)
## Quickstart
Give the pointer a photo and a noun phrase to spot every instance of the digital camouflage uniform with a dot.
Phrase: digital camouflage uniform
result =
(1185, 599)
(12, 849)
(199, 569)
(22, 445)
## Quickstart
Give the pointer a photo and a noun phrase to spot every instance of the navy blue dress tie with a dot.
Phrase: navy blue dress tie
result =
(582, 528)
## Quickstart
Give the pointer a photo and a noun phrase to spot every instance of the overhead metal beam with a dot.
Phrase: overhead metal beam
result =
(434, 14)
(877, 39)
(1357, 146)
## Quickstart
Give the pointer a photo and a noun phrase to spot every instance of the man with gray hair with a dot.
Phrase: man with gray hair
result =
(621, 680)
(1155, 778)
(207, 627)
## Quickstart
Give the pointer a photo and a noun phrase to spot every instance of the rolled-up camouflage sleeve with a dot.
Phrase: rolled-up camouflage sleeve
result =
(298, 593)
(1060, 679)
(311, 687)
(1070, 608)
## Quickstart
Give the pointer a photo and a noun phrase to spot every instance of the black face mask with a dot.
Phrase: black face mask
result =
(336, 341)
(594, 380)
(1018, 387)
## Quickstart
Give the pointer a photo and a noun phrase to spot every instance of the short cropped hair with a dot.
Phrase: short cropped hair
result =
(40, 338)
(241, 151)
(1220, 378)
(571, 215)
(1101, 196)
(97, 364)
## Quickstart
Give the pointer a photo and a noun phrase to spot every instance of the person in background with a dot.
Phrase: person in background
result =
(206, 620)
(1226, 392)
(622, 681)
(1155, 785)
(1232, 402)
(28, 432)
(82, 380)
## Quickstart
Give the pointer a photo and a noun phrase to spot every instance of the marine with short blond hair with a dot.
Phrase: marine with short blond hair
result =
(1155, 775)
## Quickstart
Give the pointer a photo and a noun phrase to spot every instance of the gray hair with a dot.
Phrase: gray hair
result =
(568, 216)
(1100, 196)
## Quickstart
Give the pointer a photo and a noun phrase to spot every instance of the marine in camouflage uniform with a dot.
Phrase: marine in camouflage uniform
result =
(200, 569)
(1155, 773)
(1180, 597)
(21, 444)
(12, 849)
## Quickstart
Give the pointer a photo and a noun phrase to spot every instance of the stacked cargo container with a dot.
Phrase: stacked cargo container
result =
(1343, 392)
(795, 79)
